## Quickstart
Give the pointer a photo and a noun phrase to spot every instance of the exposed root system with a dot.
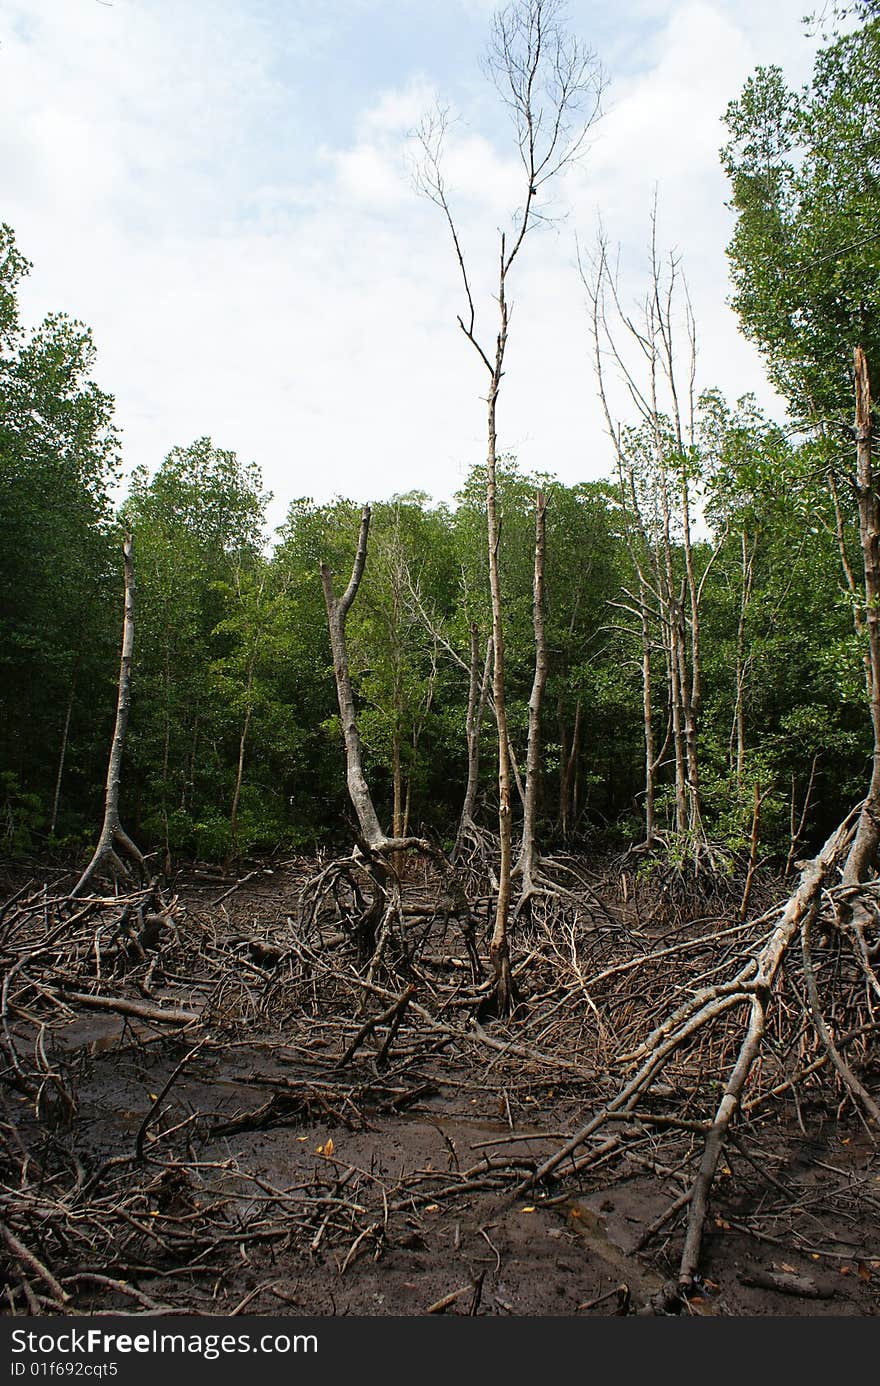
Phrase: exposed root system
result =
(244, 1097)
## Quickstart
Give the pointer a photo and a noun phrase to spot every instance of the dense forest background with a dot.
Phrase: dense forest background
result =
(704, 605)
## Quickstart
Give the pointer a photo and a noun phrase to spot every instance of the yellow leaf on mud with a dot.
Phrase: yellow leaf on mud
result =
(302, 1138)
(529, 1209)
(328, 1148)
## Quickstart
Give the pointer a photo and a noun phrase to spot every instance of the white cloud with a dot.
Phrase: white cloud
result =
(292, 296)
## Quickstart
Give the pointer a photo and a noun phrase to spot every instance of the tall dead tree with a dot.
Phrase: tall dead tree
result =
(114, 844)
(528, 854)
(655, 464)
(552, 88)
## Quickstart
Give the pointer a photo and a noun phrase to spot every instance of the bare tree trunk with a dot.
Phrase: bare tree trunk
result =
(648, 715)
(337, 612)
(567, 765)
(112, 834)
(499, 950)
(673, 673)
(552, 87)
(797, 824)
(864, 850)
(397, 786)
(738, 733)
(528, 857)
(239, 774)
(166, 752)
(478, 697)
(61, 757)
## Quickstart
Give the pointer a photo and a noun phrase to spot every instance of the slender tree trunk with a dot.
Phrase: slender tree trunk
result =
(864, 850)
(797, 824)
(689, 725)
(499, 951)
(397, 785)
(738, 737)
(61, 757)
(239, 773)
(166, 755)
(567, 766)
(478, 697)
(191, 780)
(648, 715)
(337, 612)
(694, 693)
(528, 856)
(673, 673)
(112, 834)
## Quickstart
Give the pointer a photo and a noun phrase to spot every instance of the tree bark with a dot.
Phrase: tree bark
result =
(528, 855)
(337, 612)
(112, 834)
(499, 950)
(478, 697)
(864, 850)
(56, 799)
(648, 717)
(239, 774)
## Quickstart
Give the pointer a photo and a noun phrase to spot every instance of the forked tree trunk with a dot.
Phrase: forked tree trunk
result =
(528, 855)
(864, 850)
(337, 612)
(113, 836)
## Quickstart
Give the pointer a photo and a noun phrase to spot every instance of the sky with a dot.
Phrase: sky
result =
(222, 190)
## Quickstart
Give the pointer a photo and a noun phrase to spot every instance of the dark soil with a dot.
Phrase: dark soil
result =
(381, 1220)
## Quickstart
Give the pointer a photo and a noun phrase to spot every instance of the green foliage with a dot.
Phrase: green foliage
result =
(58, 461)
(805, 174)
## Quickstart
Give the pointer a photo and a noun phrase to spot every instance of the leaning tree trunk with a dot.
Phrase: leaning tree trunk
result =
(528, 855)
(113, 836)
(864, 849)
(56, 798)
